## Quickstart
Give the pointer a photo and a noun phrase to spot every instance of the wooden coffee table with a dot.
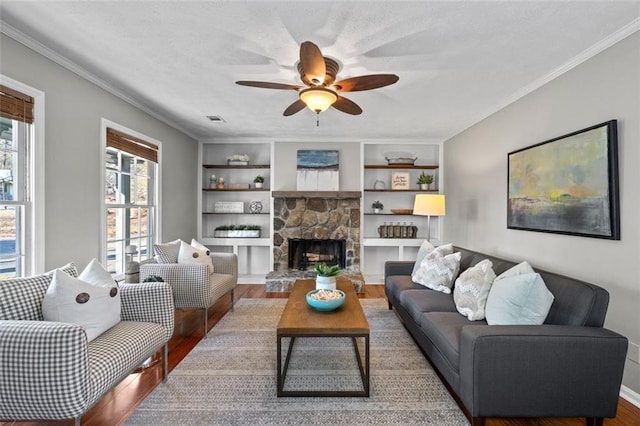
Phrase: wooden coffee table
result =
(300, 320)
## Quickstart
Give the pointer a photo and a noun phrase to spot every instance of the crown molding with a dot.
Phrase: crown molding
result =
(48, 53)
(621, 34)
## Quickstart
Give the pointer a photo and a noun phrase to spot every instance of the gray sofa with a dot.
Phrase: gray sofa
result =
(48, 370)
(570, 366)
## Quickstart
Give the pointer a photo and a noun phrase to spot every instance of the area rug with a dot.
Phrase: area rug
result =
(229, 378)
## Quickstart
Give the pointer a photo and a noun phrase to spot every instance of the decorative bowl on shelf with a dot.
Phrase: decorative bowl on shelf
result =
(400, 158)
(325, 300)
(402, 211)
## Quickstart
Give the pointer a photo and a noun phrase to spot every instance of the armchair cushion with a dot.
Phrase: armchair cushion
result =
(29, 291)
(74, 301)
(192, 256)
(167, 252)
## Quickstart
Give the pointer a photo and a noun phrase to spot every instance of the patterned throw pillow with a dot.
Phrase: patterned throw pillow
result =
(96, 307)
(472, 288)
(167, 252)
(428, 249)
(437, 271)
(193, 256)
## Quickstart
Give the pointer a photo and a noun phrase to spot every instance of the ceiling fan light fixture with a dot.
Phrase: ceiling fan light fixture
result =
(318, 99)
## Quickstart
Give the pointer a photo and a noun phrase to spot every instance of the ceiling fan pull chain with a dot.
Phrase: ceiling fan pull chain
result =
(317, 118)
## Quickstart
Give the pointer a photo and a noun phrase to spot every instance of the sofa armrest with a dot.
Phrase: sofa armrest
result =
(225, 263)
(44, 370)
(148, 302)
(536, 371)
(398, 267)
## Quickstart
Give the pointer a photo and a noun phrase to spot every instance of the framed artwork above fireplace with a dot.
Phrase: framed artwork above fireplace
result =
(318, 170)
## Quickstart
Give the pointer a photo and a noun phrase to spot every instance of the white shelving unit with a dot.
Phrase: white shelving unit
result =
(376, 250)
(255, 256)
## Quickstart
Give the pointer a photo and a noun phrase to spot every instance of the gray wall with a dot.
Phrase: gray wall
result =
(605, 87)
(285, 160)
(74, 108)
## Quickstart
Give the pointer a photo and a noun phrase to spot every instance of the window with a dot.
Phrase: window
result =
(17, 183)
(130, 197)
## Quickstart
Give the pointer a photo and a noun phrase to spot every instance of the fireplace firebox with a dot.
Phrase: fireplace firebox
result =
(305, 253)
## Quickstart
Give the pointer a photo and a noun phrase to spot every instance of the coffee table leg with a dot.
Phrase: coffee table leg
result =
(364, 370)
(282, 372)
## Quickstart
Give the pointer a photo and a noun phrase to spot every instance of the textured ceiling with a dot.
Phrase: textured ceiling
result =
(458, 61)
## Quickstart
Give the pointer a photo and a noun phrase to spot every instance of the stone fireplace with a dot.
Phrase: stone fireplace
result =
(305, 253)
(314, 216)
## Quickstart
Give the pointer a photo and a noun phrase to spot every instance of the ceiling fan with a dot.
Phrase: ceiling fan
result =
(318, 73)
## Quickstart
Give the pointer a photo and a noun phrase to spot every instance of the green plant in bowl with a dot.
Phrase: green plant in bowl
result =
(324, 270)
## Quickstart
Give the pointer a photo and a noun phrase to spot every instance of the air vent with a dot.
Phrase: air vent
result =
(216, 118)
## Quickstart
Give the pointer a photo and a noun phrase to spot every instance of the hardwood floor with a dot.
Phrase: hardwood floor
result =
(123, 400)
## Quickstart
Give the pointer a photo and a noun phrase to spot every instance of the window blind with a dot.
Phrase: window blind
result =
(16, 105)
(132, 145)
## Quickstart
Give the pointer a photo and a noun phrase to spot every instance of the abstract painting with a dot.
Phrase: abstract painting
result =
(318, 170)
(567, 185)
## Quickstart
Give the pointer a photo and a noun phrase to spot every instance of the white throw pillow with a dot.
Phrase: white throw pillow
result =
(472, 288)
(193, 256)
(519, 269)
(437, 271)
(199, 246)
(518, 299)
(96, 307)
(167, 252)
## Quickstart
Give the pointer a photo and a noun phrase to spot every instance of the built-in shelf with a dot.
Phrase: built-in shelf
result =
(389, 214)
(236, 189)
(401, 166)
(255, 214)
(400, 190)
(227, 166)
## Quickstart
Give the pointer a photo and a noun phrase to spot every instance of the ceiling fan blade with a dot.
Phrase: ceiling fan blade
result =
(268, 85)
(294, 107)
(312, 63)
(345, 105)
(365, 82)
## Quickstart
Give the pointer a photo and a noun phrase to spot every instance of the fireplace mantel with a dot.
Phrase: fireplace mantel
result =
(334, 195)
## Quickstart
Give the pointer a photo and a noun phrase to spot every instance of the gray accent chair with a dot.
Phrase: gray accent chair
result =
(193, 286)
(570, 366)
(50, 371)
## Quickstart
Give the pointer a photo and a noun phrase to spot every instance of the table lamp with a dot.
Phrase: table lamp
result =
(429, 205)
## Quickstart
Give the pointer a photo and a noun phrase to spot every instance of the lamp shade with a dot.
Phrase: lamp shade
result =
(429, 205)
(318, 99)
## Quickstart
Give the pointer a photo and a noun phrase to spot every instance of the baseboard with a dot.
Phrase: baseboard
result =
(629, 395)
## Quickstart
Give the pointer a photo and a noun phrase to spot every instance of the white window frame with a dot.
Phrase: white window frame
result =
(104, 124)
(34, 204)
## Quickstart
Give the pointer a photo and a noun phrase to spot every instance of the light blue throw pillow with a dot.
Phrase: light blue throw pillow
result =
(517, 300)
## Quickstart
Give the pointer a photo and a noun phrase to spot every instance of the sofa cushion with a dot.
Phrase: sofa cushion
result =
(438, 272)
(472, 288)
(518, 299)
(96, 307)
(167, 252)
(419, 301)
(396, 284)
(21, 298)
(444, 329)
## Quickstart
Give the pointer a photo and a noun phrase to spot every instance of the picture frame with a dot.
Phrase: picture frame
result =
(400, 181)
(567, 185)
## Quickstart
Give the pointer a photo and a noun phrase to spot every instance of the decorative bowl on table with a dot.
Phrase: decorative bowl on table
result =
(325, 300)
(402, 211)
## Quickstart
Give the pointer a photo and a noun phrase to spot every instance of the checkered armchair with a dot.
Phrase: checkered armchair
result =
(48, 370)
(193, 286)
